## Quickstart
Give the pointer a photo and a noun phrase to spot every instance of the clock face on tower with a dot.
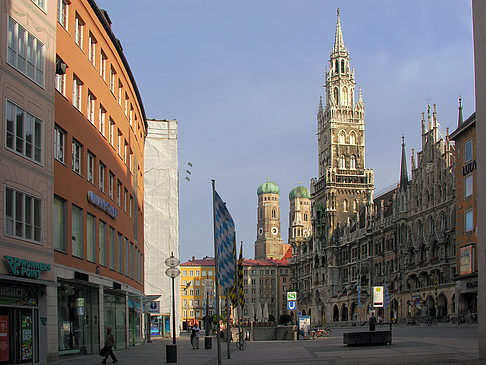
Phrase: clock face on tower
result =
(260, 231)
(274, 230)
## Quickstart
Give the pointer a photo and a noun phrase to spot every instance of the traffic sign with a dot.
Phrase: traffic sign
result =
(291, 295)
(291, 305)
(153, 307)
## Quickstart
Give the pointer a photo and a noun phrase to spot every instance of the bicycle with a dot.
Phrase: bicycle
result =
(320, 332)
(430, 321)
(241, 343)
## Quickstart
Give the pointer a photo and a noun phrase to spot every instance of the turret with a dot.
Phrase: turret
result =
(403, 169)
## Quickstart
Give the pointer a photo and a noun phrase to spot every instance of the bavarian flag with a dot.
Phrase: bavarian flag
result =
(237, 292)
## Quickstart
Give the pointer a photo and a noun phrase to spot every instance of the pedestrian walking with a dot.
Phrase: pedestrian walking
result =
(372, 321)
(110, 343)
(195, 337)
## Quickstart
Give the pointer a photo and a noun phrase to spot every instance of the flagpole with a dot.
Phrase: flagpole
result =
(228, 329)
(238, 304)
(218, 339)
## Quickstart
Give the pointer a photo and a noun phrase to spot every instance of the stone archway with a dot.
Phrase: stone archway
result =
(335, 313)
(394, 310)
(431, 310)
(344, 312)
(352, 315)
(303, 312)
(441, 306)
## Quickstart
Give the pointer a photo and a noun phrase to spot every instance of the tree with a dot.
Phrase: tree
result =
(284, 319)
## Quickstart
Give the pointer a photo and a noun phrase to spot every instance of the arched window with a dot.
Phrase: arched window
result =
(337, 66)
(342, 162)
(355, 206)
(345, 205)
(352, 162)
(342, 138)
(352, 138)
(336, 95)
(342, 66)
(274, 214)
(345, 96)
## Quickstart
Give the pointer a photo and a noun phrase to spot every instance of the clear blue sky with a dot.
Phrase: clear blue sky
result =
(243, 79)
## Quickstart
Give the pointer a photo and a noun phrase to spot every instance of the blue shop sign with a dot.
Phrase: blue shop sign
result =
(102, 204)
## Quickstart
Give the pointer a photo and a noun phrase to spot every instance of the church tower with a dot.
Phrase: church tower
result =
(300, 227)
(344, 185)
(268, 244)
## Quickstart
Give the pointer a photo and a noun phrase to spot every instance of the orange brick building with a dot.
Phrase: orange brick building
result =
(466, 213)
(99, 132)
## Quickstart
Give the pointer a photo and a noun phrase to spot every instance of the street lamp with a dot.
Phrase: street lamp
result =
(172, 272)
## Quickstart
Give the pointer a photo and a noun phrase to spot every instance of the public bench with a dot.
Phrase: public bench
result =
(368, 338)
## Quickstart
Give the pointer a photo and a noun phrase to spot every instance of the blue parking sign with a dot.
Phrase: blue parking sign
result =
(291, 305)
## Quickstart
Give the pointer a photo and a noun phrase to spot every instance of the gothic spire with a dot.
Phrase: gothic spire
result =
(403, 170)
(320, 105)
(338, 38)
(460, 120)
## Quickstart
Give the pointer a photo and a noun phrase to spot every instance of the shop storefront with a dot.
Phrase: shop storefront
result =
(78, 319)
(23, 311)
(115, 310)
(160, 325)
(134, 321)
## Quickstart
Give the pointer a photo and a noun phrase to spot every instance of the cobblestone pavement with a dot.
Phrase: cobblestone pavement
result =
(411, 345)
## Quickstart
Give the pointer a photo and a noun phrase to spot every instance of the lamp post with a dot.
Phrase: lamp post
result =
(172, 272)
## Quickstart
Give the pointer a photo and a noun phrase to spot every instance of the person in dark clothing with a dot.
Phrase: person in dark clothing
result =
(110, 343)
(372, 321)
(195, 337)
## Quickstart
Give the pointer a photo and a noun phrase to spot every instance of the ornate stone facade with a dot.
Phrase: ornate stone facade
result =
(403, 239)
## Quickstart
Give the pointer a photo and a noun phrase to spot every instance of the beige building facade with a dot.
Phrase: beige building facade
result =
(27, 282)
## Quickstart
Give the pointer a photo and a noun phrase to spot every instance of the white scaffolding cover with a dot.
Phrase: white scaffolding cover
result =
(161, 221)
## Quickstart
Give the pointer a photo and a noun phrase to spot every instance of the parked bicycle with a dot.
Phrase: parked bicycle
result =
(429, 321)
(241, 343)
(320, 332)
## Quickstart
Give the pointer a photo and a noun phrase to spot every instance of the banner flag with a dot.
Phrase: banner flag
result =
(386, 299)
(225, 235)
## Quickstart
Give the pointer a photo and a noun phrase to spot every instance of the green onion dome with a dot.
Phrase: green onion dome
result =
(299, 192)
(268, 187)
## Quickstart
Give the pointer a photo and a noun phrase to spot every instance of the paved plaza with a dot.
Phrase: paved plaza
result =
(411, 345)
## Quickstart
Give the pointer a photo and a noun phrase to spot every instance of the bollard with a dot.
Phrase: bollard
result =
(208, 343)
(171, 352)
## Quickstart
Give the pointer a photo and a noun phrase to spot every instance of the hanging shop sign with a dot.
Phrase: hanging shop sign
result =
(18, 295)
(378, 296)
(469, 167)
(26, 268)
(102, 204)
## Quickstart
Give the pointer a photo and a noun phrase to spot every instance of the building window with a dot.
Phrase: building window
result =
(24, 133)
(102, 176)
(78, 30)
(112, 248)
(111, 132)
(25, 52)
(60, 224)
(23, 215)
(342, 162)
(120, 253)
(125, 197)
(468, 151)
(131, 115)
(469, 220)
(62, 13)
(60, 79)
(120, 89)
(345, 205)
(120, 140)
(76, 154)
(468, 185)
(77, 231)
(90, 237)
(126, 256)
(91, 107)
(112, 184)
(112, 80)
(102, 118)
(130, 206)
(77, 85)
(118, 192)
(125, 152)
(102, 240)
(126, 105)
(90, 167)
(352, 138)
(92, 49)
(352, 162)
(342, 138)
(59, 143)
(103, 59)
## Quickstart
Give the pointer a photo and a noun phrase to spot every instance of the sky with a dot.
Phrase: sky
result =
(243, 80)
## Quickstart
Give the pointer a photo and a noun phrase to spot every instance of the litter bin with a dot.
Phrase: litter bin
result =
(208, 342)
(171, 352)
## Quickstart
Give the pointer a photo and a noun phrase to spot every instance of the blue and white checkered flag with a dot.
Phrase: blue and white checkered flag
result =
(386, 299)
(225, 234)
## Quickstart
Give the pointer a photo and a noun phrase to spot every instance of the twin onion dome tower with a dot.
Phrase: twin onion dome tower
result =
(269, 244)
(343, 185)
